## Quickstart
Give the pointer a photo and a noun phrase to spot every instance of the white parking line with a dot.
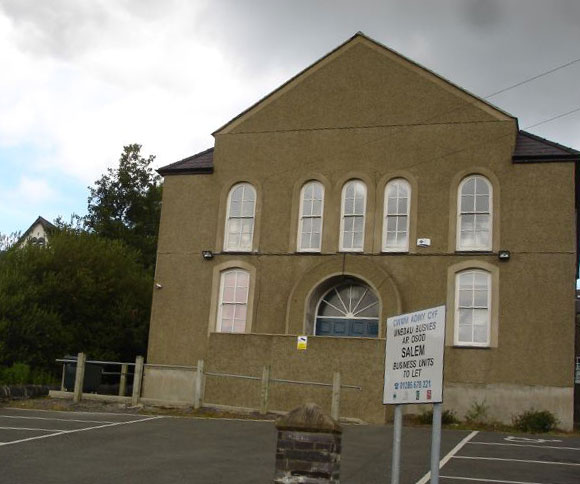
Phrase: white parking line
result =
(67, 411)
(31, 429)
(57, 419)
(518, 460)
(451, 453)
(526, 445)
(489, 480)
(78, 430)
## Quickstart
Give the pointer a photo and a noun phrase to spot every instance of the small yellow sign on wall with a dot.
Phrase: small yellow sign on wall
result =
(302, 342)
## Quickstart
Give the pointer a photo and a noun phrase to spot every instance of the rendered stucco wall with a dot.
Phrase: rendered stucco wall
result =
(364, 114)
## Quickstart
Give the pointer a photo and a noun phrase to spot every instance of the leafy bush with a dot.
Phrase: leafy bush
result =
(535, 421)
(22, 374)
(17, 374)
(447, 417)
(478, 413)
(79, 293)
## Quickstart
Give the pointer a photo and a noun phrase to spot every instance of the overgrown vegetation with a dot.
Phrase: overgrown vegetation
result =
(477, 413)
(90, 288)
(535, 421)
(448, 417)
(21, 373)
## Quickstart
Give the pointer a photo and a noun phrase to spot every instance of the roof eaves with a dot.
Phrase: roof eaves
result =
(184, 171)
(544, 158)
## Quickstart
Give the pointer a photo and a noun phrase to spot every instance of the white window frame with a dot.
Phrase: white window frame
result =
(301, 218)
(456, 341)
(229, 218)
(386, 215)
(223, 274)
(343, 216)
(459, 242)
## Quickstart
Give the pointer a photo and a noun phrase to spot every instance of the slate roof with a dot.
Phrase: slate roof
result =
(533, 149)
(529, 149)
(198, 163)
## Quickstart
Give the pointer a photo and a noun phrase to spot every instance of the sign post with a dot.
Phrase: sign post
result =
(414, 374)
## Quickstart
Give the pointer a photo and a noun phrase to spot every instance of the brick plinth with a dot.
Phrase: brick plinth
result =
(308, 448)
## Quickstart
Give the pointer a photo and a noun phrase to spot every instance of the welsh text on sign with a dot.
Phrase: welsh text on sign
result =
(414, 357)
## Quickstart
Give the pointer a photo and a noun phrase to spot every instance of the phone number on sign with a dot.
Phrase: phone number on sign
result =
(412, 385)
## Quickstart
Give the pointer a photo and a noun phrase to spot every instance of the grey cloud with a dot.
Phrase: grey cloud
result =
(482, 45)
(482, 13)
(67, 29)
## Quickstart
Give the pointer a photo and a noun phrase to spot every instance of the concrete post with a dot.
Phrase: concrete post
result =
(79, 378)
(308, 448)
(137, 379)
(335, 408)
(265, 390)
(62, 388)
(198, 390)
(123, 381)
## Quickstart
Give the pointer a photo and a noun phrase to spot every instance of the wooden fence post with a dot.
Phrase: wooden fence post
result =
(198, 389)
(123, 382)
(265, 390)
(79, 378)
(137, 378)
(335, 408)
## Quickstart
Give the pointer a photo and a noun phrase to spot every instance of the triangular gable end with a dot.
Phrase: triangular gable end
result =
(359, 37)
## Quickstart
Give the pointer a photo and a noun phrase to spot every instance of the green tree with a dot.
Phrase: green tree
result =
(80, 293)
(125, 204)
(8, 240)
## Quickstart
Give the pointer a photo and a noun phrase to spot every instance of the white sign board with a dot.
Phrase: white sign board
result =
(414, 357)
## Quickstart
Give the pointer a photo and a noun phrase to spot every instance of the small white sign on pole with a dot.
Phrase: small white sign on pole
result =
(414, 357)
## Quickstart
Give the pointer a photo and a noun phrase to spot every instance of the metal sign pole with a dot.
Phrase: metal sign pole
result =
(397, 429)
(435, 443)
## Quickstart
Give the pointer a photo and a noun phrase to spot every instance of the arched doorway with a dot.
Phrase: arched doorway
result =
(349, 308)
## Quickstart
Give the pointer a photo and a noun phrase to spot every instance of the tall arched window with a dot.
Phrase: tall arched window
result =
(239, 231)
(396, 216)
(472, 308)
(233, 301)
(474, 214)
(352, 223)
(310, 224)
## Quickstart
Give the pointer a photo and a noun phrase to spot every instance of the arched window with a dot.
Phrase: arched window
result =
(310, 224)
(239, 231)
(396, 216)
(472, 308)
(352, 223)
(474, 214)
(349, 309)
(233, 301)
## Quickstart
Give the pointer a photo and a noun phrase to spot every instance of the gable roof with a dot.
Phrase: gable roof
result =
(46, 225)
(357, 37)
(201, 163)
(534, 149)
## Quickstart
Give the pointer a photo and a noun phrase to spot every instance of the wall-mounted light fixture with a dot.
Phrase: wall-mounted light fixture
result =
(207, 254)
(158, 286)
(504, 255)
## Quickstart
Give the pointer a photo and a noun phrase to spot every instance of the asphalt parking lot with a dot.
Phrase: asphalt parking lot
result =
(89, 447)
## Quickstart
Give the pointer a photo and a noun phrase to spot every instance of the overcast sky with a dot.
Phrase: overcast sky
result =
(81, 78)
